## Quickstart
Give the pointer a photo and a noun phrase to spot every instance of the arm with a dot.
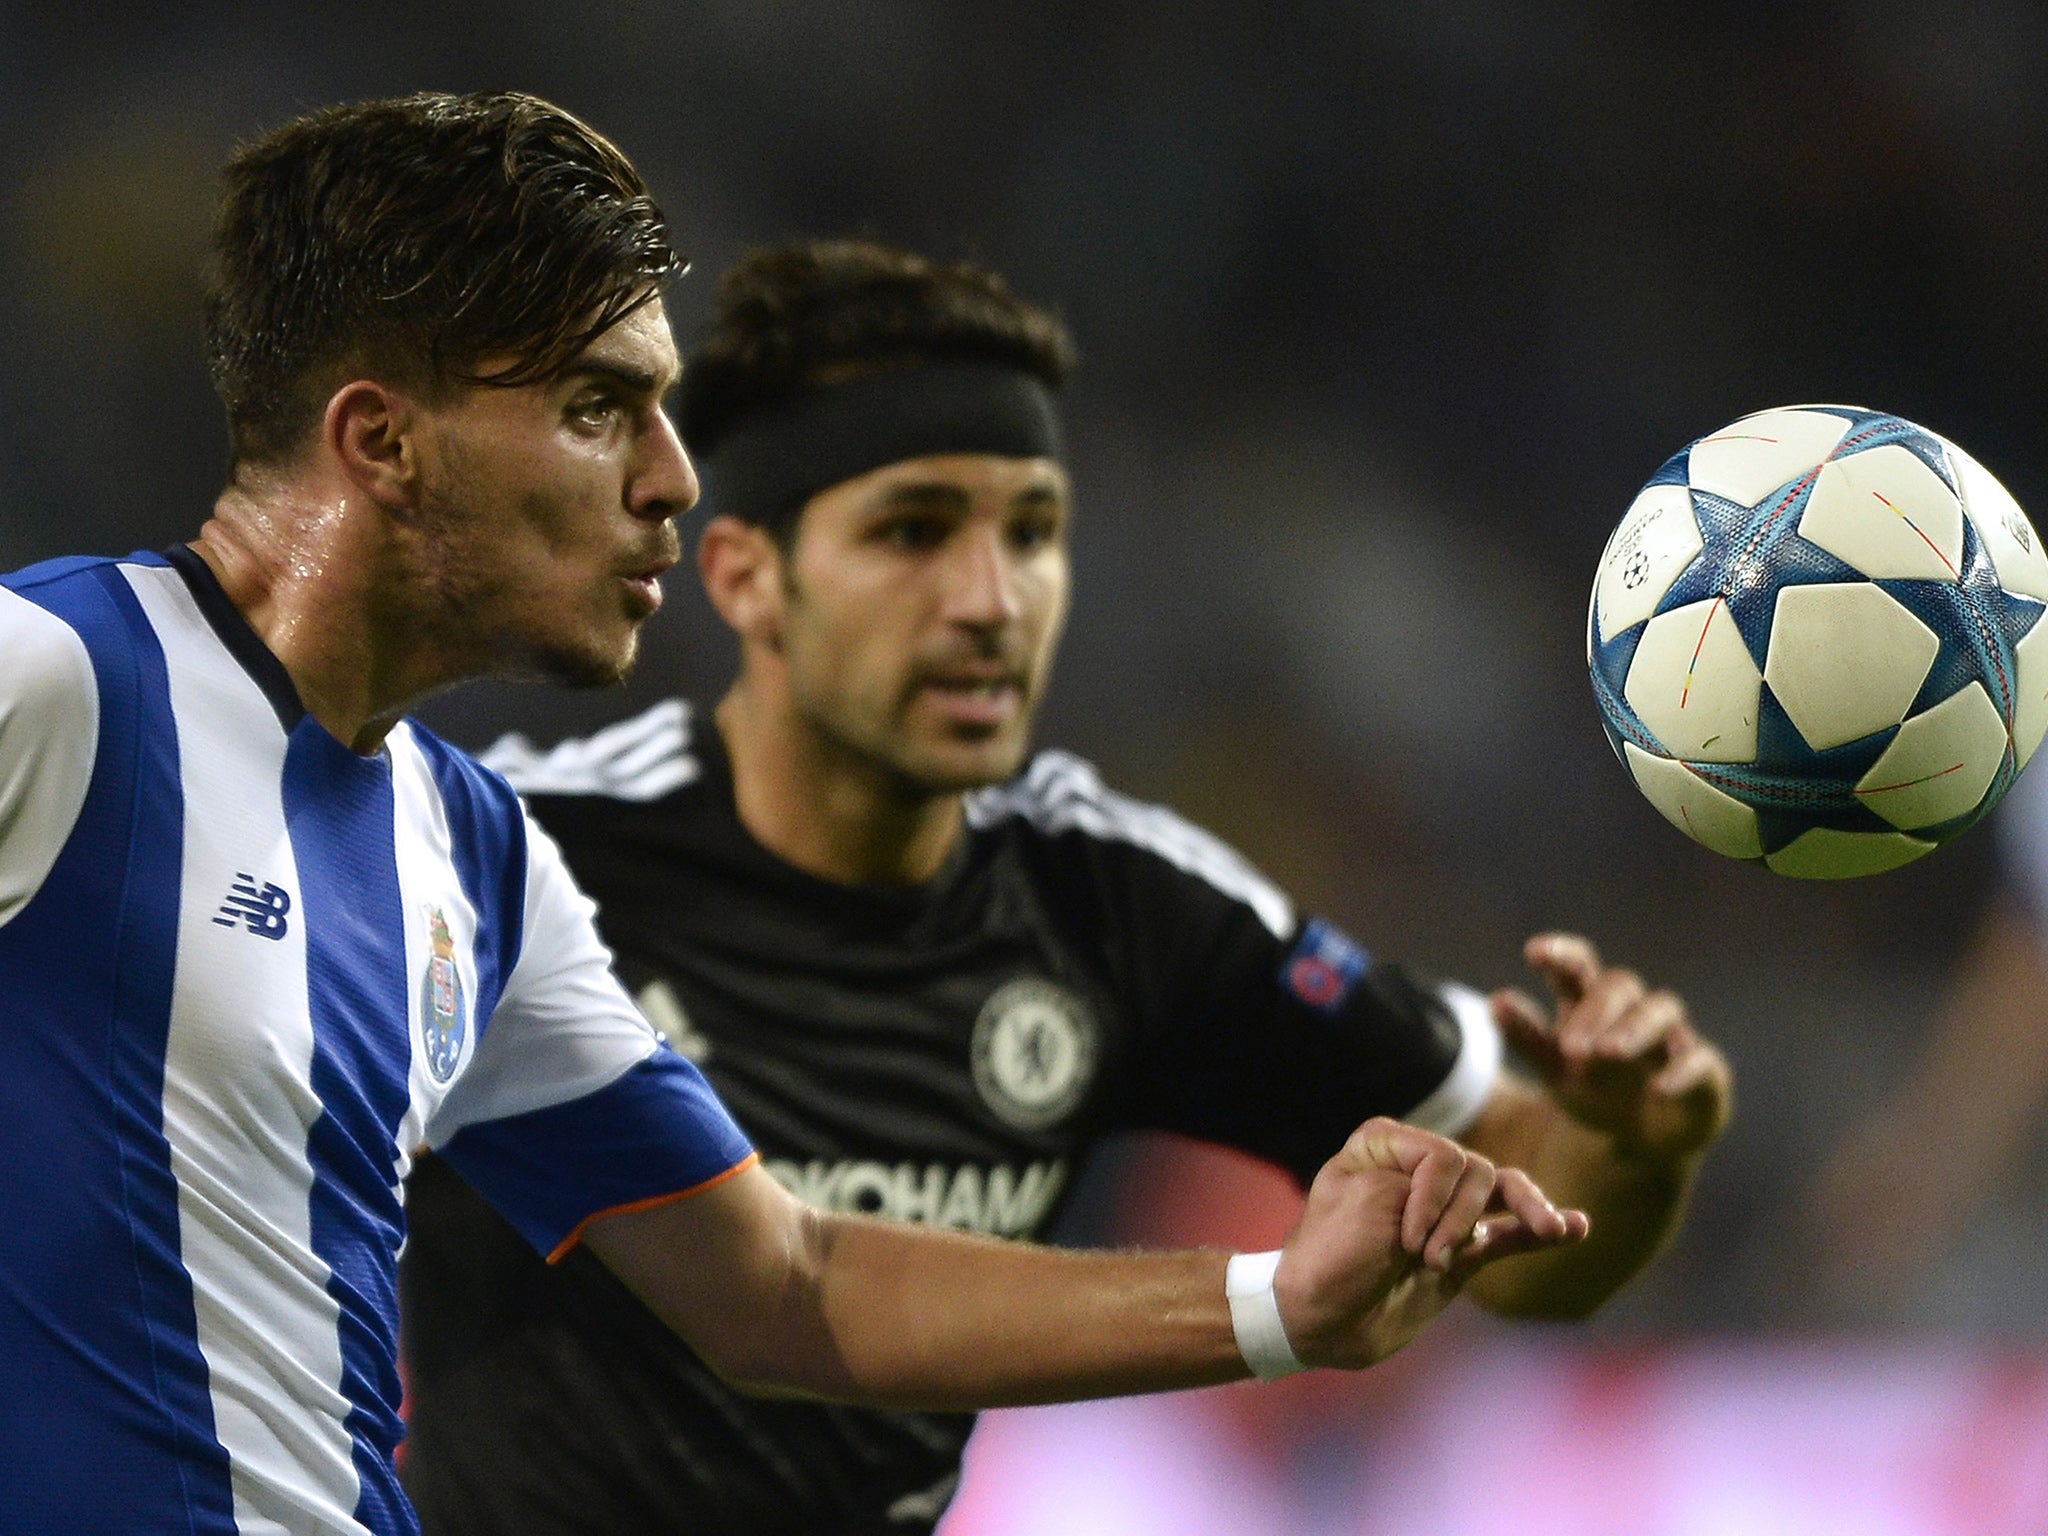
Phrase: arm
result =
(1625, 1102)
(782, 1298)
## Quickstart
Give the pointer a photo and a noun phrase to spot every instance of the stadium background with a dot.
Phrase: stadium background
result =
(1386, 310)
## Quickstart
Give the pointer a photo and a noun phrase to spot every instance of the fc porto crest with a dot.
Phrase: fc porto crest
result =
(1034, 1053)
(444, 1026)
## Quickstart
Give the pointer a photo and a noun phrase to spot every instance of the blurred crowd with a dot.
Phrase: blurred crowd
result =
(1385, 311)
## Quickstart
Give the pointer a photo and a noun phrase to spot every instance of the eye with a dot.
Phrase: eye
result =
(1034, 532)
(914, 533)
(594, 413)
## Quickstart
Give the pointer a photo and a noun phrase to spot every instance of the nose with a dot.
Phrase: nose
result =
(982, 591)
(664, 482)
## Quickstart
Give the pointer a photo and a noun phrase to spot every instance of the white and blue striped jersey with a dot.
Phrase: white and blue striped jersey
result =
(246, 974)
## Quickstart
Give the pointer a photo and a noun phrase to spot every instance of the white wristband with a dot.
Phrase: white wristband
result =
(1255, 1315)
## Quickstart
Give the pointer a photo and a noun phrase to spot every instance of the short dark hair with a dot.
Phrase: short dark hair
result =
(820, 311)
(416, 237)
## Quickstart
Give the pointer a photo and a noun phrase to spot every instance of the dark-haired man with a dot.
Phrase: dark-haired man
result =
(923, 989)
(261, 938)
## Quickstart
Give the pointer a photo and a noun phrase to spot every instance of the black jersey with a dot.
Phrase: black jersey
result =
(945, 1053)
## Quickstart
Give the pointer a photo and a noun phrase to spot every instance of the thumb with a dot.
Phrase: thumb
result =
(1526, 1025)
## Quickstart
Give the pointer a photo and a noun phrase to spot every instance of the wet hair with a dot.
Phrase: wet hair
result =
(795, 318)
(418, 239)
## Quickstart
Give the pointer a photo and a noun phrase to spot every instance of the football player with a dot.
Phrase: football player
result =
(261, 938)
(928, 974)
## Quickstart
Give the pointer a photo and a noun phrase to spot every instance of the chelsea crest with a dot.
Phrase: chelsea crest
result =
(1033, 1053)
(443, 1028)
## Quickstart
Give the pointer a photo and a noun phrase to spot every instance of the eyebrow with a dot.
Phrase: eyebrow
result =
(640, 381)
(914, 493)
(924, 493)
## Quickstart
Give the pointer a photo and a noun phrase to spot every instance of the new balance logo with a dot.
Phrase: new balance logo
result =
(260, 909)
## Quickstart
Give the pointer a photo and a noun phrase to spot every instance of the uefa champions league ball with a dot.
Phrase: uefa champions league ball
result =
(1816, 642)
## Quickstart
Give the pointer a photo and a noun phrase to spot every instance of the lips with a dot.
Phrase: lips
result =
(978, 699)
(645, 581)
(646, 588)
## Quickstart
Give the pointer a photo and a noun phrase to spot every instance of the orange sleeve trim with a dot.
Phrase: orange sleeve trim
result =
(562, 1248)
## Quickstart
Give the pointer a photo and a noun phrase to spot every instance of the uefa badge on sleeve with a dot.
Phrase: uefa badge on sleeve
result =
(442, 1028)
(1323, 966)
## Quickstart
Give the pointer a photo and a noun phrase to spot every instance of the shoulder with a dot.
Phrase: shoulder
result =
(50, 717)
(120, 618)
(65, 606)
(46, 655)
(640, 759)
(55, 576)
(54, 618)
(1059, 795)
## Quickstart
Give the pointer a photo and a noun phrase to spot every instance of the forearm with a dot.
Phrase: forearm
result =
(917, 1318)
(1636, 1203)
(779, 1298)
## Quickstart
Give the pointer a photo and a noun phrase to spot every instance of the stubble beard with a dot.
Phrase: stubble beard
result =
(585, 670)
(921, 765)
(486, 625)
(928, 768)
(883, 743)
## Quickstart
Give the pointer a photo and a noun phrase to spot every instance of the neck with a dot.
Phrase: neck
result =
(828, 811)
(310, 568)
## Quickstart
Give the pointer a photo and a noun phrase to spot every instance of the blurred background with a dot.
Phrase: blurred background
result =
(1386, 310)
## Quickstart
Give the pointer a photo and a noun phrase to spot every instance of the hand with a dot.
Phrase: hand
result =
(1395, 1224)
(1618, 1057)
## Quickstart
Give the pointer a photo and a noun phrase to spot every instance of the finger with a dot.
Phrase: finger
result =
(1526, 1026)
(1461, 1213)
(1518, 1195)
(1607, 1000)
(1568, 962)
(1693, 1067)
(1656, 1026)
(1431, 1188)
(1502, 1236)
(1391, 1145)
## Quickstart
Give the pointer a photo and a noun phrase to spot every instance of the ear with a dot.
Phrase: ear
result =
(741, 565)
(370, 430)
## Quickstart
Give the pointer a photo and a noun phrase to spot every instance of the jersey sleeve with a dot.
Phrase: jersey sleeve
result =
(1277, 1035)
(49, 738)
(572, 1108)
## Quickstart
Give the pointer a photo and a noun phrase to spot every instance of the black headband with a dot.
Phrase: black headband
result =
(772, 462)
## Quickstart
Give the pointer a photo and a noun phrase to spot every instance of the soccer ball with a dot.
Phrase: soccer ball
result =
(1815, 643)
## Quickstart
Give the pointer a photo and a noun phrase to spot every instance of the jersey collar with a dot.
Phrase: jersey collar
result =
(234, 632)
